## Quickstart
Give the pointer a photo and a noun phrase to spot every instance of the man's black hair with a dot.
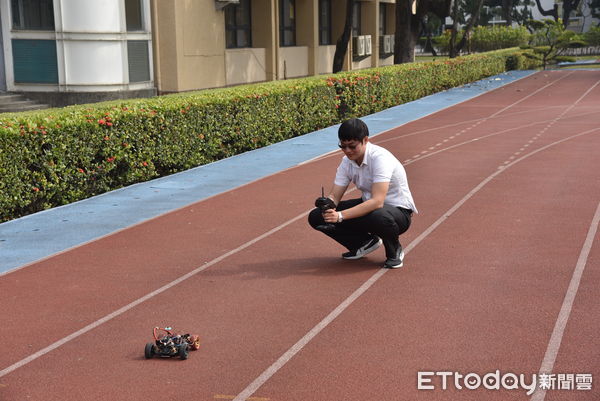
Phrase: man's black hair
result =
(353, 129)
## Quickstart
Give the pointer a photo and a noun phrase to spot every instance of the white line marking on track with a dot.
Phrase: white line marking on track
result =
(146, 297)
(567, 305)
(162, 289)
(289, 354)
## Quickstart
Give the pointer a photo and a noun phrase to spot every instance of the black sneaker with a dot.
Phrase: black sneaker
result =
(397, 262)
(367, 248)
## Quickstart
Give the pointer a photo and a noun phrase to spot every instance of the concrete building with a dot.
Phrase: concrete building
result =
(78, 51)
(74, 51)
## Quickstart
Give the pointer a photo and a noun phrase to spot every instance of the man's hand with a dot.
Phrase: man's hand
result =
(331, 216)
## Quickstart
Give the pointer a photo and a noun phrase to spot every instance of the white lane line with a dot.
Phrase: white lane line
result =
(146, 297)
(289, 354)
(567, 305)
(164, 288)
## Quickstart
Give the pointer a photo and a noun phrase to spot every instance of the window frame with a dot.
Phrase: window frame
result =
(241, 14)
(356, 19)
(20, 19)
(383, 19)
(325, 36)
(287, 25)
(130, 24)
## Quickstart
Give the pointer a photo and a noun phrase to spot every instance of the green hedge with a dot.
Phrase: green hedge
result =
(486, 38)
(57, 156)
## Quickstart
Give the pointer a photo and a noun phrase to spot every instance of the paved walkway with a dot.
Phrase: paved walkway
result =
(35, 237)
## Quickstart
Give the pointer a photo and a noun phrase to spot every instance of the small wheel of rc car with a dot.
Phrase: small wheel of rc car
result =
(183, 352)
(149, 351)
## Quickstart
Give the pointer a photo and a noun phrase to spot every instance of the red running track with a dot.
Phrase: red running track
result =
(501, 274)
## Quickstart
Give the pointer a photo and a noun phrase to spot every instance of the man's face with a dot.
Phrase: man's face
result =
(354, 149)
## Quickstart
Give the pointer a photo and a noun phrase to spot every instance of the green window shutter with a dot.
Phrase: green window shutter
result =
(34, 61)
(137, 58)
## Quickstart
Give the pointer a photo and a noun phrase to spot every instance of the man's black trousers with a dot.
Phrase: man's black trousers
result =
(387, 223)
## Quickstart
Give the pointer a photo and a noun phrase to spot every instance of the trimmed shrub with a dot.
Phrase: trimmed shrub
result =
(486, 38)
(53, 157)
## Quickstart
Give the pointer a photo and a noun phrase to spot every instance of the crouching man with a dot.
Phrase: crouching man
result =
(384, 210)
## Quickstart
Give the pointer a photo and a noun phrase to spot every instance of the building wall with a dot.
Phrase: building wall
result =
(190, 42)
(293, 62)
(325, 59)
(245, 65)
(89, 51)
(185, 46)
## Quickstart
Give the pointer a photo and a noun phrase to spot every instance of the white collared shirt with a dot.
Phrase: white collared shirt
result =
(378, 165)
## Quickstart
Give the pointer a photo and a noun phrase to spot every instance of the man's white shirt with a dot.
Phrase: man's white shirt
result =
(379, 165)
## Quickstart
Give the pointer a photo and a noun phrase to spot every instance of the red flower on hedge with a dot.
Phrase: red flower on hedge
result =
(36, 189)
(110, 159)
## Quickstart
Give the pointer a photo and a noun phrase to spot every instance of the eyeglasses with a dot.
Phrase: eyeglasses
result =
(349, 147)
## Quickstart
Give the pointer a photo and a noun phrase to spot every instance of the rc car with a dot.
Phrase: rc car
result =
(168, 344)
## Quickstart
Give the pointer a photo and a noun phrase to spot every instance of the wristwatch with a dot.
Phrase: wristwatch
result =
(340, 217)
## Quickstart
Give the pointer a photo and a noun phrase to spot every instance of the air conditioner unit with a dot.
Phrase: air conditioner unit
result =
(367, 40)
(392, 43)
(220, 4)
(358, 46)
(385, 44)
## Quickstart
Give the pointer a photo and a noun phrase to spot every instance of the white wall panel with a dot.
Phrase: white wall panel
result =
(245, 65)
(91, 15)
(94, 62)
(293, 62)
(325, 59)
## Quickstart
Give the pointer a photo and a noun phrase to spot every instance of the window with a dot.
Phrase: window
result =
(287, 22)
(238, 29)
(138, 60)
(133, 15)
(382, 19)
(33, 15)
(34, 61)
(324, 22)
(356, 31)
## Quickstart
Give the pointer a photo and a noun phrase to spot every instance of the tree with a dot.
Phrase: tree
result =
(592, 37)
(594, 6)
(550, 39)
(474, 17)
(454, 30)
(341, 45)
(507, 11)
(408, 25)
(568, 7)
(461, 9)
(521, 13)
(431, 24)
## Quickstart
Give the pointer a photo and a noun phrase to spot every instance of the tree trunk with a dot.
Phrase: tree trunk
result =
(469, 27)
(342, 43)
(408, 28)
(568, 7)
(507, 6)
(452, 51)
(548, 13)
(408, 25)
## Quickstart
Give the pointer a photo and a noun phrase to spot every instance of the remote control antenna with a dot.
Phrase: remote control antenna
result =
(322, 192)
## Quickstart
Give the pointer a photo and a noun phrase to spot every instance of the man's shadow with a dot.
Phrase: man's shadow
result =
(314, 266)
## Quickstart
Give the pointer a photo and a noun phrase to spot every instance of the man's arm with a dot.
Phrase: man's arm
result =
(337, 192)
(378, 192)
